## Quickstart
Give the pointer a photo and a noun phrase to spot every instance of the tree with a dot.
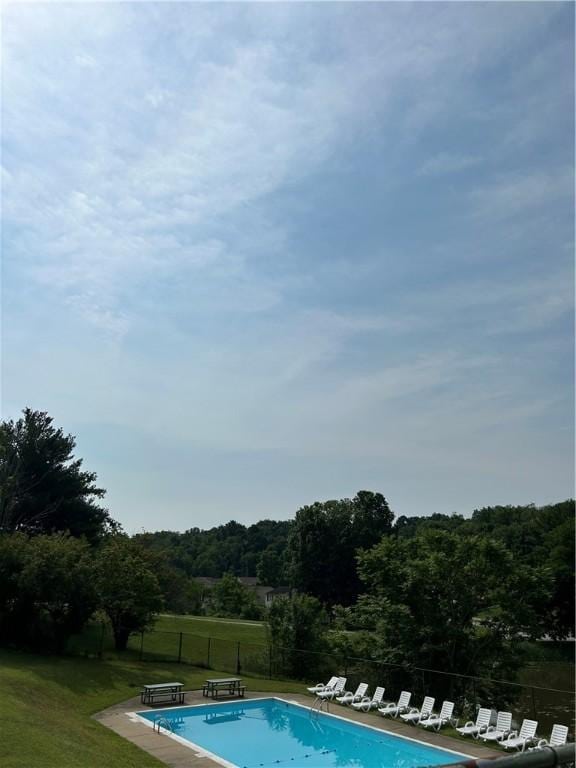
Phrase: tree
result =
(270, 570)
(42, 486)
(14, 612)
(180, 593)
(323, 542)
(296, 625)
(559, 547)
(372, 518)
(47, 591)
(231, 598)
(537, 537)
(128, 590)
(444, 601)
(57, 579)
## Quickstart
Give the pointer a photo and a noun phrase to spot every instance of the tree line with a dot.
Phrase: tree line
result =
(443, 591)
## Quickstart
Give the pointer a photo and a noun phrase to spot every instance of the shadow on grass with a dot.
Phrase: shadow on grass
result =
(97, 684)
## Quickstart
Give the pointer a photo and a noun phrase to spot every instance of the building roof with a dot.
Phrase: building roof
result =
(248, 581)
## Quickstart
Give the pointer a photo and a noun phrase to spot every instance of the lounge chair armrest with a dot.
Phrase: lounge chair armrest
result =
(469, 724)
(512, 735)
(413, 711)
(542, 743)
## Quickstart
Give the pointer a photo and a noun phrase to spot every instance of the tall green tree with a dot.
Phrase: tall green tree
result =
(270, 570)
(231, 598)
(43, 487)
(127, 587)
(558, 556)
(537, 537)
(444, 601)
(323, 542)
(47, 589)
(297, 633)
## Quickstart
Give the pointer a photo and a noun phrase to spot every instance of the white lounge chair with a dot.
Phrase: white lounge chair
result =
(367, 703)
(558, 737)
(322, 686)
(416, 715)
(331, 693)
(520, 740)
(500, 730)
(347, 697)
(396, 708)
(437, 721)
(475, 729)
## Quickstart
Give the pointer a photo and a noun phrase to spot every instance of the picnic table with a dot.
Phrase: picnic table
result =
(172, 692)
(230, 686)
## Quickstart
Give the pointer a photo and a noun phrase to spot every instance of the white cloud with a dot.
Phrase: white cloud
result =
(446, 162)
(89, 62)
(167, 182)
(144, 160)
(514, 194)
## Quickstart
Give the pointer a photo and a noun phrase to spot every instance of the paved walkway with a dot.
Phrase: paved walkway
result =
(169, 751)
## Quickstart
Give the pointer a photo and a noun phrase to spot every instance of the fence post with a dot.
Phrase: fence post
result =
(534, 716)
(269, 662)
(101, 648)
(238, 659)
(180, 649)
(346, 666)
(141, 645)
(208, 654)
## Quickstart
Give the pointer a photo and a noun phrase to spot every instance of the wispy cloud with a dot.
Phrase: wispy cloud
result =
(445, 162)
(516, 194)
(337, 235)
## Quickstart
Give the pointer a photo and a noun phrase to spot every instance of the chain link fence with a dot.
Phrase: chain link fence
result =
(547, 705)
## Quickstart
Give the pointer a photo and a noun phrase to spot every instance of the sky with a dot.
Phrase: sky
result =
(257, 255)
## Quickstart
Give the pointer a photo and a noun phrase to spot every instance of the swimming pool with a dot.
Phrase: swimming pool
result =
(273, 732)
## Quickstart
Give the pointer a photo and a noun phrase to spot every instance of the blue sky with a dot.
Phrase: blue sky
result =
(258, 255)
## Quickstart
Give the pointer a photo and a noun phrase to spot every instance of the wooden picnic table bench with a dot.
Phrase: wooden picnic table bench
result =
(231, 686)
(172, 692)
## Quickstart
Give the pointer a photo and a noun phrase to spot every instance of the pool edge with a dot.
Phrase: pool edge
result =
(202, 752)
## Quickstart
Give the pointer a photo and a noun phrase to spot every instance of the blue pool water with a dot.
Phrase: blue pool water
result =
(273, 733)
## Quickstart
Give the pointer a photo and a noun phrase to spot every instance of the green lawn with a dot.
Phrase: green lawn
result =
(208, 626)
(46, 704)
(163, 642)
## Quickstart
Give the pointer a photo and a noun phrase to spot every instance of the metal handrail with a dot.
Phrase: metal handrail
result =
(162, 722)
(545, 757)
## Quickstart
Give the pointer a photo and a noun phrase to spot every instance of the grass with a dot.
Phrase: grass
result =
(163, 643)
(209, 626)
(46, 705)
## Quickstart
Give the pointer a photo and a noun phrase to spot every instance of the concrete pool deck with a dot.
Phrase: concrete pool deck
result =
(170, 752)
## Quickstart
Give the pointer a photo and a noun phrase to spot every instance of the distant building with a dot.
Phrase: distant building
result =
(265, 594)
(275, 593)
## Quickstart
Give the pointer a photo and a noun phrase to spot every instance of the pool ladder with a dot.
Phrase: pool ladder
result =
(318, 705)
(162, 722)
